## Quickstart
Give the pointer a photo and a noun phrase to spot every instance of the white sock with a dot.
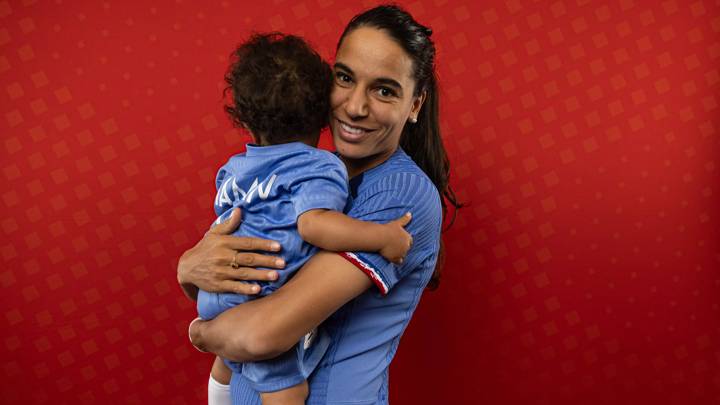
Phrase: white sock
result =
(218, 394)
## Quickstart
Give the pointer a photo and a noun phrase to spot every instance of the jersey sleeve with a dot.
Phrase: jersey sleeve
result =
(322, 185)
(394, 196)
(221, 208)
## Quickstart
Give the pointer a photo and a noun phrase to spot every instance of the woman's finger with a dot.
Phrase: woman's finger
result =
(246, 259)
(238, 287)
(229, 226)
(222, 274)
(250, 274)
(248, 243)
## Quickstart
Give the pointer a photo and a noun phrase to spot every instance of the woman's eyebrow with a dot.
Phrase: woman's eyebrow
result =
(389, 82)
(344, 67)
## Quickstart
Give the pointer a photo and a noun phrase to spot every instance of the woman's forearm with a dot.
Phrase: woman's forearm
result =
(268, 326)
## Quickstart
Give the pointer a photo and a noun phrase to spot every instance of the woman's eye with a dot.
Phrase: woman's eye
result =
(342, 77)
(386, 92)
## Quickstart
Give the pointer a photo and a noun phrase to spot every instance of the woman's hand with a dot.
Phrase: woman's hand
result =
(218, 263)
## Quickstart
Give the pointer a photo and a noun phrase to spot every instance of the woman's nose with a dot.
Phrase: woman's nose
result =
(357, 103)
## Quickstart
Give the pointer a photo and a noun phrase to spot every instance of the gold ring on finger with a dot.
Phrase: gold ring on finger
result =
(234, 264)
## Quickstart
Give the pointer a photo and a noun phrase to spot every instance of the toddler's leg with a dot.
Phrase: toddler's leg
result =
(220, 372)
(219, 384)
(295, 395)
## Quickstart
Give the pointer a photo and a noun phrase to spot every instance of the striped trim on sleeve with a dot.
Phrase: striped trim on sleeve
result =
(368, 270)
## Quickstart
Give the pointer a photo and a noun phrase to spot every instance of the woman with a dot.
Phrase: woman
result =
(385, 128)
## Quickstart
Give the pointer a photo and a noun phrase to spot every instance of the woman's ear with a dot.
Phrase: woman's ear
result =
(416, 106)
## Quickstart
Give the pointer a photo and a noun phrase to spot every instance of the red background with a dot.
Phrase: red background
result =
(583, 135)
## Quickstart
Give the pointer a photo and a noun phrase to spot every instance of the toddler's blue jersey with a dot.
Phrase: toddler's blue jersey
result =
(365, 333)
(274, 185)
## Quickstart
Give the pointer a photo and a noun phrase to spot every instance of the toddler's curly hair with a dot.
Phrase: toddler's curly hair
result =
(280, 88)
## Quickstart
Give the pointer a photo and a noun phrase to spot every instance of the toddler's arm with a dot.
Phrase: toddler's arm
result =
(332, 230)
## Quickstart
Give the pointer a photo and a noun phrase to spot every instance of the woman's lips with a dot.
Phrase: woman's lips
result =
(351, 132)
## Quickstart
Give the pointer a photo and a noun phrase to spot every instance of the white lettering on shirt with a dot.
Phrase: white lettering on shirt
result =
(262, 189)
(264, 193)
(222, 197)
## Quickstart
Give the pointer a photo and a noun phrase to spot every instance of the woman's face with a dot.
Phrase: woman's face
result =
(372, 98)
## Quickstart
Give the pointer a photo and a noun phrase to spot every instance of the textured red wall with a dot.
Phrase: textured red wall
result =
(583, 135)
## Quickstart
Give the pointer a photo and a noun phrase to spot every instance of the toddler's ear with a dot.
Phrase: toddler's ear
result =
(256, 139)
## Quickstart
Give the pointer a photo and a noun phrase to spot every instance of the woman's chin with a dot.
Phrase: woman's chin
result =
(349, 151)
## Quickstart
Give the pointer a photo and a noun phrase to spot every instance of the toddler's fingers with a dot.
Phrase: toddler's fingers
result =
(404, 220)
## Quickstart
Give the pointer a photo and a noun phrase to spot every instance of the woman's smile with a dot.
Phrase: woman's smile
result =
(351, 133)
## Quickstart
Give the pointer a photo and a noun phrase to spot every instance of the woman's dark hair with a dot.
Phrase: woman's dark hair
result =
(420, 140)
(280, 88)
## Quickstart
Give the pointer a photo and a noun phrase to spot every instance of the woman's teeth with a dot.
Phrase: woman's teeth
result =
(351, 130)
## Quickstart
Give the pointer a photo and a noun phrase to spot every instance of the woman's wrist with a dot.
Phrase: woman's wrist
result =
(188, 287)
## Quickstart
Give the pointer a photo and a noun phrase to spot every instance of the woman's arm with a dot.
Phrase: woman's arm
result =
(268, 326)
(207, 265)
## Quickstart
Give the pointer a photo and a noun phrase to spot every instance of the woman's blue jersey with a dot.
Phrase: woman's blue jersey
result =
(365, 332)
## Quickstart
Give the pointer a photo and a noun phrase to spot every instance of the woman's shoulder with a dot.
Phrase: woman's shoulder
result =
(399, 186)
(404, 179)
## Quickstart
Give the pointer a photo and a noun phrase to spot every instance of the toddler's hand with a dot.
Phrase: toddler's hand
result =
(397, 240)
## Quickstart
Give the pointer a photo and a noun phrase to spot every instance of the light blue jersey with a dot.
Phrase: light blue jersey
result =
(274, 185)
(365, 332)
